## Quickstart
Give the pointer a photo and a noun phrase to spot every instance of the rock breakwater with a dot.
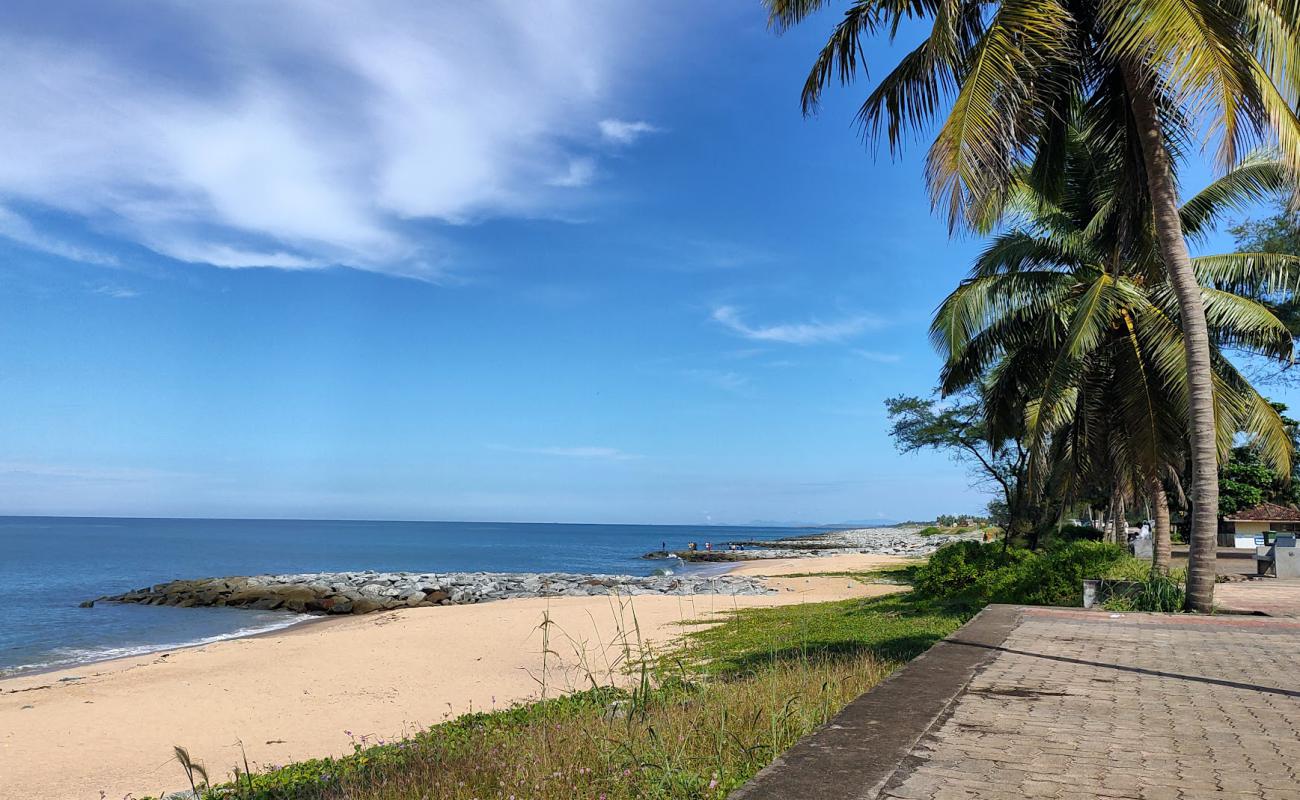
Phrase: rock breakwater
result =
(364, 592)
(903, 540)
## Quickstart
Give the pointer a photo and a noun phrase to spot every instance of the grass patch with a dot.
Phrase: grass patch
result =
(892, 629)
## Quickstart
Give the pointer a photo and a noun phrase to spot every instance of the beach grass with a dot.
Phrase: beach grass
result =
(891, 629)
(699, 722)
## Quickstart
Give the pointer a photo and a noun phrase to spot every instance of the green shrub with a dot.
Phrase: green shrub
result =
(970, 573)
(1058, 575)
(1073, 533)
(1152, 593)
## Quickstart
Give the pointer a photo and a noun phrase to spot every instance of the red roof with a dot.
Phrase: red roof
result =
(1266, 512)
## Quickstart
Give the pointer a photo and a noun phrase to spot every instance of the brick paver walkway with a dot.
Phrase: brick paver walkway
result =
(1081, 704)
(1276, 598)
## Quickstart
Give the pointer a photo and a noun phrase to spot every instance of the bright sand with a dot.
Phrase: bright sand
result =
(291, 695)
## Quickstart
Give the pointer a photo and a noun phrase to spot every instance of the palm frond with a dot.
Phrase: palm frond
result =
(991, 123)
(1259, 177)
(1202, 57)
(1251, 274)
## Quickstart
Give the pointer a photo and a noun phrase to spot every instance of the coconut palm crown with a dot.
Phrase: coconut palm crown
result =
(1071, 330)
(1009, 74)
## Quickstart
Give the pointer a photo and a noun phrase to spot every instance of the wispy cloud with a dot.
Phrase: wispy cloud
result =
(580, 172)
(116, 292)
(721, 379)
(76, 472)
(878, 357)
(300, 135)
(585, 452)
(623, 132)
(17, 228)
(794, 333)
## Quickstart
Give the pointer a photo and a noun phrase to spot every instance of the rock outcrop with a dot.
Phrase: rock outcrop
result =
(364, 592)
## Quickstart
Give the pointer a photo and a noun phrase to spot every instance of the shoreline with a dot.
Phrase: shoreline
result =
(22, 671)
(830, 543)
(290, 694)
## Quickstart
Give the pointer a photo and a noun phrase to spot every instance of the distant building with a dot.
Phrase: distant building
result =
(1240, 528)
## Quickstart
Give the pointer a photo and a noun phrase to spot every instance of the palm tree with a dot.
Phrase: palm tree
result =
(1010, 71)
(1069, 328)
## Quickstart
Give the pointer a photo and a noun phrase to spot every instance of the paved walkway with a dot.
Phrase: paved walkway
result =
(1035, 702)
(1270, 596)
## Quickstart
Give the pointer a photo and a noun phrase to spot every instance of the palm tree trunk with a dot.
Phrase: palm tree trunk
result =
(1160, 549)
(1203, 539)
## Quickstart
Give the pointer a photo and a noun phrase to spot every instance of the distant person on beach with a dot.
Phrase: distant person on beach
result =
(690, 546)
(708, 545)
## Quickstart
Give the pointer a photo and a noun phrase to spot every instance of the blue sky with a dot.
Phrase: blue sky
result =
(554, 261)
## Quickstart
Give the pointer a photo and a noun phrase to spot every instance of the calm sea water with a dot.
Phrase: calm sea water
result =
(50, 564)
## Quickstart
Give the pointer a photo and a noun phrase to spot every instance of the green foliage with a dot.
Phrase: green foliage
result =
(1150, 593)
(946, 530)
(1072, 533)
(958, 429)
(1136, 569)
(973, 575)
(892, 628)
(969, 571)
(954, 520)
(1276, 233)
(1246, 481)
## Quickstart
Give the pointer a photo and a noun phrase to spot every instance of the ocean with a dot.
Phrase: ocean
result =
(48, 565)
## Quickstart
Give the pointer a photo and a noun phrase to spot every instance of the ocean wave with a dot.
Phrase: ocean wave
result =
(71, 657)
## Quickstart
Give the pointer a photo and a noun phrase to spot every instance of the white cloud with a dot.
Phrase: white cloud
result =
(794, 333)
(622, 132)
(879, 357)
(299, 134)
(600, 453)
(17, 228)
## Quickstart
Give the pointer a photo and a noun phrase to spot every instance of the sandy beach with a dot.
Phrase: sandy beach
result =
(110, 726)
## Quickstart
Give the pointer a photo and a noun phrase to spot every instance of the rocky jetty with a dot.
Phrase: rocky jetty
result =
(364, 592)
(895, 541)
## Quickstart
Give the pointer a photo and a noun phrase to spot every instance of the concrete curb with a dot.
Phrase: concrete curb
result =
(863, 749)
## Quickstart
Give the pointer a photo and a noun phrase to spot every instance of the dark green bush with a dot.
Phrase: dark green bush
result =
(968, 571)
(1076, 533)
(974, 574)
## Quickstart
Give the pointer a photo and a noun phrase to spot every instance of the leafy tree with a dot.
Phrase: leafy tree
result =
(1157, 72)
(1248, 478)
(1246, 481)
(1277, 233)
(958, 429)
